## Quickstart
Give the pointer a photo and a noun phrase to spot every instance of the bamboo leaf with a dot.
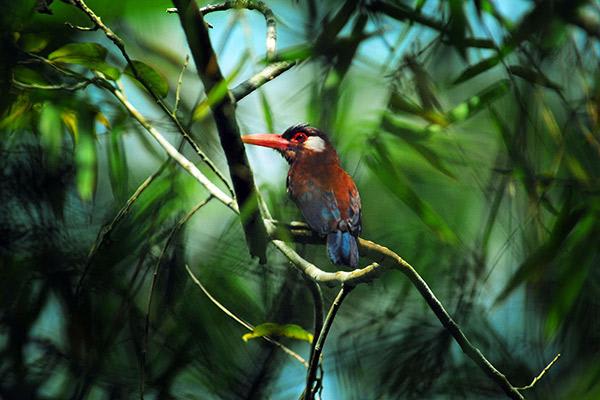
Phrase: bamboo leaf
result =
(535, 77)
(33, 43)
(266, 108)
(117, 160)
(79, 53)
(51, 131)
(149, 77)
(291, 331)
(218, 92)
(474, 70)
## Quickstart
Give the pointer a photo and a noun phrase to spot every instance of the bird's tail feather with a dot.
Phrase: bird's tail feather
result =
(342, 248)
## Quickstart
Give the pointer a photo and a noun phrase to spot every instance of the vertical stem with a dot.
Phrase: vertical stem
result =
(318, 348)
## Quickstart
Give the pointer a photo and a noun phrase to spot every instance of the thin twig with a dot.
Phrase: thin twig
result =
(240, 321)
(269, 73)
(179, 83)
(255, 5)
(35, 86)
(541, 374)
(318, 348)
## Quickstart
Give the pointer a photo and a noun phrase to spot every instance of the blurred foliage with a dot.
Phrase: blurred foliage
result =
(471, 127)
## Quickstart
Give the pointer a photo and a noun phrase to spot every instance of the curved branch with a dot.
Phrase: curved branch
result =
(255, 5)
(269, 73)
(318, 348)
(388, 258)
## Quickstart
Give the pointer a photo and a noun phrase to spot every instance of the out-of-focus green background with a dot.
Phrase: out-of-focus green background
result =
(471, 129)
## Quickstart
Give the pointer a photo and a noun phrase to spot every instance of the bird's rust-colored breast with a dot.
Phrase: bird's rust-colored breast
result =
(325, 194)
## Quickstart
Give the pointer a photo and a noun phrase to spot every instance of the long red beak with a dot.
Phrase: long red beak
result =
(267, 140)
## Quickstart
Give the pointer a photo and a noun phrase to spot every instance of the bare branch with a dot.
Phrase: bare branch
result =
(269, 73)
(309, 391)
(179, 82)
(240, 321)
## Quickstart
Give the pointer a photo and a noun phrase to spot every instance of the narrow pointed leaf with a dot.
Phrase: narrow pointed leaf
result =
(149, 77)
(291, 331)
(79, 53)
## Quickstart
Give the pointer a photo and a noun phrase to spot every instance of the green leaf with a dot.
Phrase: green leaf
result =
(51, 131)
(91, 55)
(535, 77)
(79, 53)
(108, 70)
(117, 161)
(292, 331)
(266, 107)
(28, 75)
(218, 92)
(33, 43)
(416, 142)
(148, 77)
(17, 114)
(295, 53)
(86, 163)
(474, 70)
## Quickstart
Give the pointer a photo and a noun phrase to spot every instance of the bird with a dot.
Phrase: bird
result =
(323, 191)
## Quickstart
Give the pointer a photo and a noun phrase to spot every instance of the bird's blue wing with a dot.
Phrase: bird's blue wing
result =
(320, 210)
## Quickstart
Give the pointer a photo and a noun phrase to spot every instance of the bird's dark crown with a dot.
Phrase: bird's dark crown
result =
(305, 128)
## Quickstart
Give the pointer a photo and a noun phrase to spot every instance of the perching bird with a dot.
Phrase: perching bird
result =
(325, 193)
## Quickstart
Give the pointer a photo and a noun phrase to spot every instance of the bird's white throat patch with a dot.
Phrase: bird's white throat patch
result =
(315, 144)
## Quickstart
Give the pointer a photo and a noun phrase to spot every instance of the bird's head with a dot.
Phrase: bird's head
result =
(297, 141)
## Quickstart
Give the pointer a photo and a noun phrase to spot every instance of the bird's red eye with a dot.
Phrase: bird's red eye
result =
(299, 137)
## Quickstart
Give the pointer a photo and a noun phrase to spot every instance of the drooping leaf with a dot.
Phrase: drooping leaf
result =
(149, 77)
(108, 70)
(79, 53)
(17, 113)
(291, 331)
(86, 164)
(535, 77)
(266, 107)
(33, 43)
(91, 55)
(417, 143)
(532, 268)
(51, 131)
(69, 118)
(28, 75)
(476, 69)
(117, 161)
(218, 92)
